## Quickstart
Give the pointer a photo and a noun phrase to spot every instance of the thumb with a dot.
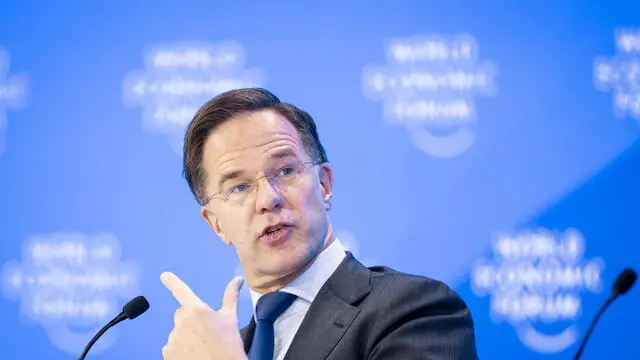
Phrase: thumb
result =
(231, 295)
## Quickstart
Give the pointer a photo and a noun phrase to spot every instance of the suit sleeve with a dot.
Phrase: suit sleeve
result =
(423, 319)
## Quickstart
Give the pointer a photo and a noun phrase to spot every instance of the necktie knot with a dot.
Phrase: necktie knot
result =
(272, 305)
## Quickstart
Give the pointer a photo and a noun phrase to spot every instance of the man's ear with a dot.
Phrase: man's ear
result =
(213, 221)
(326, 183)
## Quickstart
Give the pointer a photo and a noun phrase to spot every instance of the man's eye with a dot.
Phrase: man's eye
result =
(239, 188)
(287, 171)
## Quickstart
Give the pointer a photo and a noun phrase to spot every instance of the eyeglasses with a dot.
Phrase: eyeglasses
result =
(242, 192)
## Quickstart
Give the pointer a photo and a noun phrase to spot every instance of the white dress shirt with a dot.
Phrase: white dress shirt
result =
(305, 287)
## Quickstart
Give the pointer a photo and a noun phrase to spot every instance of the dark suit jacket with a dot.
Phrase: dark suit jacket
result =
(379, 313)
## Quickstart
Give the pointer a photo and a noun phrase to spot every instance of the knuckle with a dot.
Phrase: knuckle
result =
(178, 316)
(199, 310)
(190, 313)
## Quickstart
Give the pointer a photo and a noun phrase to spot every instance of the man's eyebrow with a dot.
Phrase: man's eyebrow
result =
(229, 176)
(283, 153)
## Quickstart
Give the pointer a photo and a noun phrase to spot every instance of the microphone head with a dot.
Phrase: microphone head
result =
(135, 307)
(625, 281)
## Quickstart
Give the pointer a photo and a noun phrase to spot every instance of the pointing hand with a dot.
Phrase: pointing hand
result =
(199, 332)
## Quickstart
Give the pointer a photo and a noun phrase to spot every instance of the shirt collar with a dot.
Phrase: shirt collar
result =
(308, 284)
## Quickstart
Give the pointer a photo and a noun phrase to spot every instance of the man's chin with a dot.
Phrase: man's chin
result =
(285, 266)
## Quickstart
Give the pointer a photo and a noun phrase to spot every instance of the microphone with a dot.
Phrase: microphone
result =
(131, 310)
(623, 283)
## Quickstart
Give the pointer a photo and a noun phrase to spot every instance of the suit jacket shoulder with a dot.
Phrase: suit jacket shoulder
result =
(416, 317)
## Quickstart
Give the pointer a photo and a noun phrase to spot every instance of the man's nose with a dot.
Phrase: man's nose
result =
(268, 196)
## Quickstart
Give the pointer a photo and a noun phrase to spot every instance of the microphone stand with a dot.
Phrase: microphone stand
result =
(104, 329)
(592, 325)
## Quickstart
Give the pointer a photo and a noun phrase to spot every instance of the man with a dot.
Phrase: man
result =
(262, 178)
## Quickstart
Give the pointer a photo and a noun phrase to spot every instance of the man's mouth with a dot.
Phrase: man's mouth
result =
(273, 229)
(275, 233)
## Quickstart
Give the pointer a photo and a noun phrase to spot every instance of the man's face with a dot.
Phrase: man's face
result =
(249, 147)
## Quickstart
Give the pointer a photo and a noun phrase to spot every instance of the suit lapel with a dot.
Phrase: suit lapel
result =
(332, 312)
(247, 334)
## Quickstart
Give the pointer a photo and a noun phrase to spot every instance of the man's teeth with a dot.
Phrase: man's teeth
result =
(273, 229)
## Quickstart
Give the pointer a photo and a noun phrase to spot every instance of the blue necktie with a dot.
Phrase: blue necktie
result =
(269, 307)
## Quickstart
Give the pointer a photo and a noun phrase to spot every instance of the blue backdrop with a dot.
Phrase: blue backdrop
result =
(493, 145)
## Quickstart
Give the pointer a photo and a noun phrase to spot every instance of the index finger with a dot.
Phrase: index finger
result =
(181, 291)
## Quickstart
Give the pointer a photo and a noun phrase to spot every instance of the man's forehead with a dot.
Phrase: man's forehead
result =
(274, 147)
(248, 140)
(255, 122)
(274, 155)
(250, 130)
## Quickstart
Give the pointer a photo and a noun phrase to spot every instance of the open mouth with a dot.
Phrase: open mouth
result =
(272, 229)
(275, 233)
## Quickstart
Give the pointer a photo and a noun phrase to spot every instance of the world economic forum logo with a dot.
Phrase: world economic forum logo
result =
(179, 78)
(620, 74)
(429, 86)
(71, 285)
(13, 94)
(536, 281)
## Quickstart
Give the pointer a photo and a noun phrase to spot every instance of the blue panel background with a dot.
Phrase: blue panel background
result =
(548, 152)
